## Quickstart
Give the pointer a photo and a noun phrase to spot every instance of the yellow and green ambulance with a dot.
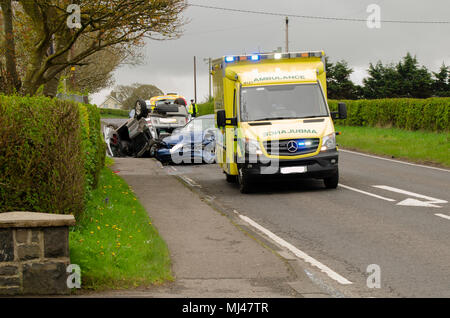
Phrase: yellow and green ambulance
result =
(274, 118)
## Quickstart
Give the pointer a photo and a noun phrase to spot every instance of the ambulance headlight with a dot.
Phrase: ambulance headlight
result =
(328, 142)
(252, 147)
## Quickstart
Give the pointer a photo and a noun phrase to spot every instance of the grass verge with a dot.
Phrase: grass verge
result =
(417, 146)
(114, 242)
(111, 116)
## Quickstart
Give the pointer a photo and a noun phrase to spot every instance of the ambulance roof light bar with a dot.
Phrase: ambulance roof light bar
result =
(271, 56)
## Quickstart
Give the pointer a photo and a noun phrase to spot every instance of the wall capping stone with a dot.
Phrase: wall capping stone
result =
(34, 219)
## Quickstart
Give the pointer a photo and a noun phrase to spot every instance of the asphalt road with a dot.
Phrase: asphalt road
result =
(390, 214)
(386, 213)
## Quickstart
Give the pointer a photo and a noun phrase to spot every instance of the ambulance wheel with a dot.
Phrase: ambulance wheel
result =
(231, 178)
(332, 182)
(245, 184)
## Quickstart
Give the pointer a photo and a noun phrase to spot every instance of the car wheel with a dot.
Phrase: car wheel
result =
(141, 110)
(332, 182)
(153, 149)
(209, 155)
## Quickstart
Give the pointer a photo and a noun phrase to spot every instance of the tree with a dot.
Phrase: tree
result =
(104, 24)
(381, 82)
(10, 78)
(96, 71)
(128, 95)
(405, 79)
(339, 84)
(414, 81)
(441, 82)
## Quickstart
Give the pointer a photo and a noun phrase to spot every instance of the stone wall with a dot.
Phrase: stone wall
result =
(34, 253)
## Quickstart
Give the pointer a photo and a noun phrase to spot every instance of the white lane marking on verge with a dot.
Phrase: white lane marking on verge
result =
(397, 161)
(366, 193)
(443, 216)
(332, 274)
(189, 181)
(431, 202)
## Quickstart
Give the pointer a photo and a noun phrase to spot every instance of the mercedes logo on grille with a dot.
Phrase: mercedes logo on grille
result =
(292, 146)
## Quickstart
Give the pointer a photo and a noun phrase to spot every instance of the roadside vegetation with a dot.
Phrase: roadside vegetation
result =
(418, 146)
(207, 107)
(114, 241)
(113, 113)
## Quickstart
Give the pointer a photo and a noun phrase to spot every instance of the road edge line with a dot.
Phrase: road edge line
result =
(302, 255)
(393, 160)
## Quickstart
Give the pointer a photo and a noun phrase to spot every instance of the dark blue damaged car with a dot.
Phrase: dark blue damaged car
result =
(193, 143)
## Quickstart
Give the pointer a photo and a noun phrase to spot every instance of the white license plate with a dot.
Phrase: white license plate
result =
(168, 120)
(286, 170)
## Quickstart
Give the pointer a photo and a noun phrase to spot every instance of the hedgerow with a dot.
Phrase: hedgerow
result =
(51, 153)
(432, 114)
(116, 112)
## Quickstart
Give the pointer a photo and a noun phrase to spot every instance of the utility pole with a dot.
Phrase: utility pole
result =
(209, 61)
(287, 34)
(195, 80)
(210, 78)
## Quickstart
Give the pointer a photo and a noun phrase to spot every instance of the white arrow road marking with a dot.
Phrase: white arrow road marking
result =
(443, 216)
(332, 274)
(430, 201)
(366, 193)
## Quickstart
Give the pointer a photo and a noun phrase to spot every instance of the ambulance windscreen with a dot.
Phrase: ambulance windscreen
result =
(282, 102)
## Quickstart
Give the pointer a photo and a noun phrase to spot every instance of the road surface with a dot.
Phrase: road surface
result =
(385, 215)
(387, 225)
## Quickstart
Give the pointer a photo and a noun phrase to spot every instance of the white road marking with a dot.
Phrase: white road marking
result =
(397, 161)
(431, 202)
(189, 181)
(366, 193)
(332, 274)
(443, 216)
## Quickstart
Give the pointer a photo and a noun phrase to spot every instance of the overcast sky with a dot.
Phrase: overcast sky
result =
(213, 33)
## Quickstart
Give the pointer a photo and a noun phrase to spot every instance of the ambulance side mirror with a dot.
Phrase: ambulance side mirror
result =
(221, 118)
(342, 108)
(341, 113)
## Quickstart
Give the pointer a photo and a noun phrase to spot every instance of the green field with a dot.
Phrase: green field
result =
(115, 243)
(417, 146)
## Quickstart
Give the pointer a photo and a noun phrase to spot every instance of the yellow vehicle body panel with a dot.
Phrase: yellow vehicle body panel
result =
(154, 99)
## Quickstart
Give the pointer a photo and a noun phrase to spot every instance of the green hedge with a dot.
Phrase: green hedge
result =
(115, 112)
(51, 152)
(93, 145)
(206, 108)
(432, 114)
